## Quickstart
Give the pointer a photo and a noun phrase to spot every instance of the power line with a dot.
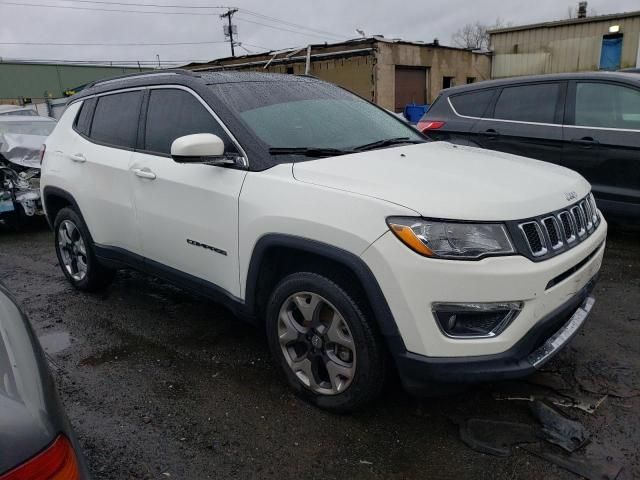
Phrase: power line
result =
(109, 44)
(156, 5)
(291, 24)
(203, 7)
(308, 34)
(69, 7)
(261, 47)
(300, 29)
(101, 62)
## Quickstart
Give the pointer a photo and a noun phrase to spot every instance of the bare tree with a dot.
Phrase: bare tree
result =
(474, 35)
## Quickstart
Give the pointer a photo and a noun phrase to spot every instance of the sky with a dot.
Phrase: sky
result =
(70, 30)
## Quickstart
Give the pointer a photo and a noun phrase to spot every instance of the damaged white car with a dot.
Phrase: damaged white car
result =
(21, 140)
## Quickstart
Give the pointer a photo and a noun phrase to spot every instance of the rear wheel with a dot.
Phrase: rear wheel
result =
(323, 343)
(75, 253)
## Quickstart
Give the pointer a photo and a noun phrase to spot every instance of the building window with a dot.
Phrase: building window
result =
(471, 80)
(290, 70)
(448, 82)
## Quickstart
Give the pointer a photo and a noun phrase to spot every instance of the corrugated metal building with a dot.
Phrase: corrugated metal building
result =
(392, 73)
(39, 81)
(605, 42)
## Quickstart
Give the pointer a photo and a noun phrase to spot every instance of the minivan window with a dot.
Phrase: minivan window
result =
(607, 106)
(115, 121)
(472, 104)
(528, 103)
(173, 113)
(310, 114)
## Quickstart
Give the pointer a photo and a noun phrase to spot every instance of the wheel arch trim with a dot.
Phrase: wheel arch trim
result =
(50, 191)
(352, 262)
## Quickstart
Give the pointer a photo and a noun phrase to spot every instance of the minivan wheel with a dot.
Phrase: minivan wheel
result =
(323, 343)
(75, 253)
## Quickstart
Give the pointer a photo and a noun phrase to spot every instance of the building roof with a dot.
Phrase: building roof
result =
(570, 21)
(348, 47)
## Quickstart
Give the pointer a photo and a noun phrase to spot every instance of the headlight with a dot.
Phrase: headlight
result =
(462, 241)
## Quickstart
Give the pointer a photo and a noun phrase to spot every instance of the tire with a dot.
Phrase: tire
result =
(325, 347)
(74, 249)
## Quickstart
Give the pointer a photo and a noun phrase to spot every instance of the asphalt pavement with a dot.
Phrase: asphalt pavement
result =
(160, 384)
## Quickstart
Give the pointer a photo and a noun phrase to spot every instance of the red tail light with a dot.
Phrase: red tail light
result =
(56, 462)
(43, 148)
(424, 125)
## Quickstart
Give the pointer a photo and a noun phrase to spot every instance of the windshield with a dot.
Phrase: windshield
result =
(28, 128)
(311, 115)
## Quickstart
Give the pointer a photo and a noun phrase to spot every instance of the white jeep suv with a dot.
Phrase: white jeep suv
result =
(360, 247)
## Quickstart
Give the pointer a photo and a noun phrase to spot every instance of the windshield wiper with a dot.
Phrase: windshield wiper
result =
(386, 143)
(308, 151)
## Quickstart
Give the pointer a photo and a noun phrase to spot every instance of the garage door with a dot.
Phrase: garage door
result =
(411, 86)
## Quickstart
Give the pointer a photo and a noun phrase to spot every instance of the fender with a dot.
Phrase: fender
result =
(355, 264)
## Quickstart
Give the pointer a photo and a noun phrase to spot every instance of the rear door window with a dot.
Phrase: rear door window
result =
(472, 104)
(528, 103)
(607, 106)
(115, 121)
(173, 113)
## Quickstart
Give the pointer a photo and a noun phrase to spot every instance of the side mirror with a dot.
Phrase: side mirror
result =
(199, 148)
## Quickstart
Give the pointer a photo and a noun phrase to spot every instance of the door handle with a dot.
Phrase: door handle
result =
(585, 142)
(77, 157)
(144, 173)
(490, 133)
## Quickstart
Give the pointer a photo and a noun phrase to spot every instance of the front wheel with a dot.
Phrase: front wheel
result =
(324, 345)
(75, 253)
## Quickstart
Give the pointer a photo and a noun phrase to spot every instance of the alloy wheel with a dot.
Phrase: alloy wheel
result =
(317, 343)
(72, 250)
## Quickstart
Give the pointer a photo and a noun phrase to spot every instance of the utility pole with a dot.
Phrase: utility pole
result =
(228, 15)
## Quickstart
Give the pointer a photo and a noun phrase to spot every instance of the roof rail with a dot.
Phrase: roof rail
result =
(169, 71)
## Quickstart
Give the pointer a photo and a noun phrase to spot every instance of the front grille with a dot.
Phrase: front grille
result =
(556, 232)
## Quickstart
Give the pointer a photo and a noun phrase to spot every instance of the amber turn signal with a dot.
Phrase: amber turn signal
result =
(409, 238)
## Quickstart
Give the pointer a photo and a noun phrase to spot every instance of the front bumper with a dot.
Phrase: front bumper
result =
(536, 348)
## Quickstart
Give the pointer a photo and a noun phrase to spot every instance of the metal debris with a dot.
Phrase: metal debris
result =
(587, 405)
(558, 428)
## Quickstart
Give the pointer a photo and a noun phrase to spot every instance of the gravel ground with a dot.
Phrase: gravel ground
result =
(161, 384)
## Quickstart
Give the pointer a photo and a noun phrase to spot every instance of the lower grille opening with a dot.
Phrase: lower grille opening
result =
(564, 275)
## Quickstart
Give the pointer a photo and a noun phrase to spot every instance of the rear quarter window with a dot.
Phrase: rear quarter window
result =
(472, 104)
(82, 123)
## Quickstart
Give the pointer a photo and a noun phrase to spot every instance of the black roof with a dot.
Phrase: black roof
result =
(187, 78)
(625, 76)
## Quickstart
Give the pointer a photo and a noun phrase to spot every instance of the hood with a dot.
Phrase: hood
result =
(441, 180)
(22, 149)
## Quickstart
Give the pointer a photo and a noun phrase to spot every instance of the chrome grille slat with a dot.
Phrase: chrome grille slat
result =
(548, 235)
(569, 229)
(534, 237)
(578, 219)
(550, 225)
